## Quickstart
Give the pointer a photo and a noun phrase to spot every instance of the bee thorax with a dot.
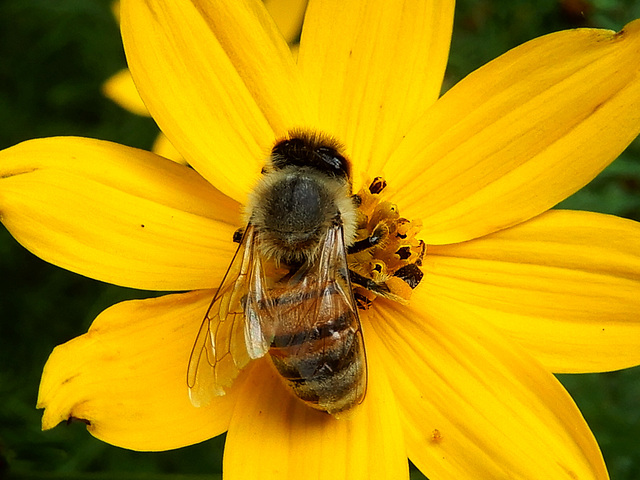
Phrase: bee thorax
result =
(292, 209)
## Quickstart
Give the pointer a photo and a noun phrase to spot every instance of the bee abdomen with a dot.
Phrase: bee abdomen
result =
(319, 332)
(324, 367)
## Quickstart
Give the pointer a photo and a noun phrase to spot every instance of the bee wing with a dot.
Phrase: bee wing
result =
(228, 339)
(325, 310)
(333, 269)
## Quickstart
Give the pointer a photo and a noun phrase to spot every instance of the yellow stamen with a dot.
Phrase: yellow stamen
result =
(386, 256)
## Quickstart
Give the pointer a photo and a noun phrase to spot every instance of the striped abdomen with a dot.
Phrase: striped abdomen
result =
(317, 346)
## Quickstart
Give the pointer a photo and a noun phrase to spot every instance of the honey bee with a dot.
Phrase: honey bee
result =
(287, 293)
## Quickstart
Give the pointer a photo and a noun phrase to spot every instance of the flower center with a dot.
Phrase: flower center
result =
(386, 256)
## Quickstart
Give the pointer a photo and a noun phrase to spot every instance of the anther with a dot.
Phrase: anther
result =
(377, 185)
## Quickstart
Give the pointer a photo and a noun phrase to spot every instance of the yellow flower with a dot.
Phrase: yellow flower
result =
(120, 88)
(460, 380)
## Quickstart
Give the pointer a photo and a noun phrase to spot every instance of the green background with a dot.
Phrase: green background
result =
(54, 56)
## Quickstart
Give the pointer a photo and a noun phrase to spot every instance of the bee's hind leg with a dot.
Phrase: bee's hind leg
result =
(377, 237)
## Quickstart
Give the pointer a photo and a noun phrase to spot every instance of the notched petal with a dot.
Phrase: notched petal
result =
(126, 377)
(373, 69)
(520, 134)
(473, 404)
(117, 214)
(564, 285)
(218, 79)
(291, 439)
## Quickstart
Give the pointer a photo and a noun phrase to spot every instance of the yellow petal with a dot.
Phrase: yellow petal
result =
(115, 8)
(218, 79)
(117, 214)
(163, 147)
(288, 15)
(273, 435)
(374, 67)
(473, 407)
(126, 377)
(295, 49)
(520, 134)
(121, 89)
(564, 285)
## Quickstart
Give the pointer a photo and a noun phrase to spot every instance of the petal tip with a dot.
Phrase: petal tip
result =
(631, 27)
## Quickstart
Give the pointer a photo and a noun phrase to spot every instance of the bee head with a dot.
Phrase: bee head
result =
(309, 150)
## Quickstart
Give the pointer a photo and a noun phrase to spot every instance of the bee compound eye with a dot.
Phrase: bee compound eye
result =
(332, 161)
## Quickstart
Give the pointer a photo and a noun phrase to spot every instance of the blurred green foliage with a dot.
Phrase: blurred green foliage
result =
(54, 57)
